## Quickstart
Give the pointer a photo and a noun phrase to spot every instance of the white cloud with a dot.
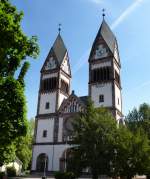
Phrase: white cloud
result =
(82, 61)
(126, 13)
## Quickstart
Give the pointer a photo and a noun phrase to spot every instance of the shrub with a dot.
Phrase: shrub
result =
(11, 172)
(2, 174)
(64, 175)
(70, 175)
(59, 175)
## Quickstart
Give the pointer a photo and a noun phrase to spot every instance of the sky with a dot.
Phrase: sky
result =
(81, 19)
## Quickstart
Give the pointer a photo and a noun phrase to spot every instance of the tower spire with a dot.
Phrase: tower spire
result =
(59, 28)
(103, 13)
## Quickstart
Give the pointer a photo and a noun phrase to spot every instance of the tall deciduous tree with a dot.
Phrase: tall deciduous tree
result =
(139, 118)
(15, 47)
(102, 147)
(24, 146)
(94, 133)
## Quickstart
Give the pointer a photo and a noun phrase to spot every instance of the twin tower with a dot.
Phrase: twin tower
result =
(57, 106)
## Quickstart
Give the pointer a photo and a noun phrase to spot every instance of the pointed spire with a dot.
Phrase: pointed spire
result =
(107, 34)
(59, 48)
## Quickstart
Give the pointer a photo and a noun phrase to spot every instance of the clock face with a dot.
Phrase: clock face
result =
(101, 52)
(51, 64)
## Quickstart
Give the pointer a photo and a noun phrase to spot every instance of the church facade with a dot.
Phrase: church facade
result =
(57, 106)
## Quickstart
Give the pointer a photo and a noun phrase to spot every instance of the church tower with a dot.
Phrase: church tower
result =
(54, 88)
(104, 72)
(55, 79)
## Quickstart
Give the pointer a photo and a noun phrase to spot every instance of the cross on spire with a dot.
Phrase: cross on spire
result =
(103, 14)
(59, 28)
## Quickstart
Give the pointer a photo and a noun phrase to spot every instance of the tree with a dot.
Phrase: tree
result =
(132, 153)
(24, 145)
(139, 118)
(15, 47)
(138, 122)
(104, 148)
(94, 133)
(12, 111)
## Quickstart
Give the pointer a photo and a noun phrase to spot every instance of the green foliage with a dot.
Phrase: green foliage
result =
(138, 122)
(23, 71)
(7, 153)
(24, 145)
(64, 175)
(105, 149)
(13, 121)
(12, 110)
(95, 132)
(139, 118)
(11, 172)
(15, 47)
(2, 174)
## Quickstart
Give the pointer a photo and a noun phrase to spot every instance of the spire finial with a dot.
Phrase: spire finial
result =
(103, 14)
(59, 28)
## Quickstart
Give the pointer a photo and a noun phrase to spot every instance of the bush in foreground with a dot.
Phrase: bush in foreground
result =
(11, 172)
(64, 175)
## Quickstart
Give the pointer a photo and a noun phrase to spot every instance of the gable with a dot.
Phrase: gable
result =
(51, 62)
(116, 53)
(100, 50)
(72, 105)
(65, 66)
(104, 43)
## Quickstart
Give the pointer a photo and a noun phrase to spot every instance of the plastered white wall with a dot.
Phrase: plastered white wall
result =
(66, 79)
(65, 64)
(45, 124)
(39, 149)
(61, 98)
(117, 117)
(59, 150)
(118, 97)
(108, 63)
(60, 129)
(116, 68)
(116, 54)
(103, 89)
(54, 153)
(47, 97)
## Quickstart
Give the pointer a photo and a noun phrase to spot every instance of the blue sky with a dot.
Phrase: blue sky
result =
(80, 20)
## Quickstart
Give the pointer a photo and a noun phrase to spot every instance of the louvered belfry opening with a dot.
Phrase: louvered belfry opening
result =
(101, 74)
(49, 84)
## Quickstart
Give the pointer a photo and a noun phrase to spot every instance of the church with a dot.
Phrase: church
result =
(57, 104)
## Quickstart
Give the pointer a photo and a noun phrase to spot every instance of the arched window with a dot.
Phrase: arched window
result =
(42, 162)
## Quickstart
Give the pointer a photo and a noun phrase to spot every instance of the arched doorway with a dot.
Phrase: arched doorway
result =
(42, 162)
(63, 160)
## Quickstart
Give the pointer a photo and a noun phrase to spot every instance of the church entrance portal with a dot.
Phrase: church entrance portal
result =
(63, 160)
(42, 163)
